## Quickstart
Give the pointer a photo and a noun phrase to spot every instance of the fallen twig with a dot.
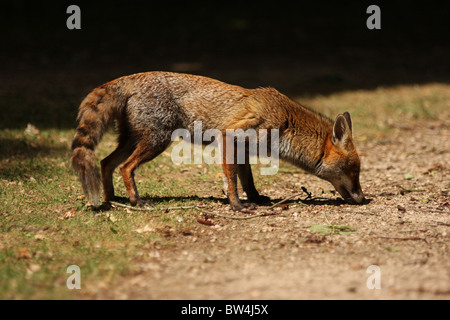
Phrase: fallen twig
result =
(443, 224)
(247, 217)
(199, 208)
(205, 222)
(404, 238)
(283, 201)
(118, 204)
(309, 197)
(405, 190)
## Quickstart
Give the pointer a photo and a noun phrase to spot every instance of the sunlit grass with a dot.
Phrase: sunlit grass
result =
(375, 112)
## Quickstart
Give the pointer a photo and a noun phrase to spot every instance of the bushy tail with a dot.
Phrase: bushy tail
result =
(97, 110)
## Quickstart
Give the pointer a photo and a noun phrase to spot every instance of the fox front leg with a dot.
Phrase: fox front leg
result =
(230, 172)
(245, 175)
(230, 182)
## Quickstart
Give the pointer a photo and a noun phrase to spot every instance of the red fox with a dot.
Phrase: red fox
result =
(148, 107)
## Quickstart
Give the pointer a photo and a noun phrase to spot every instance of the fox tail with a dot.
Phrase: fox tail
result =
(97, 111)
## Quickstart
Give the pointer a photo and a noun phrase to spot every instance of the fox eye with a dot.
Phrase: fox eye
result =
(353, 174)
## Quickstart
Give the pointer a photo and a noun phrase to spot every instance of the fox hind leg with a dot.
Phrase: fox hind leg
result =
(144, 152)
(110, 163)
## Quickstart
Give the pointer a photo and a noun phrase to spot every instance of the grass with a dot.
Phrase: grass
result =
(328, 229)
(45, 226)
(376, 112)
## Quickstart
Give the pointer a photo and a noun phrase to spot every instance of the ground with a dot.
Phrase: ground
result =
(403, 229)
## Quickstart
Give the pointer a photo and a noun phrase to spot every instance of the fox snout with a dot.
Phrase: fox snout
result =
(352, 195)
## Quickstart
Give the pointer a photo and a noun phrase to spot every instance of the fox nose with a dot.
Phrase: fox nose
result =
(357, 197)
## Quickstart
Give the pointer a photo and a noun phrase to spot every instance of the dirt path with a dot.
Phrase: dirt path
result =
(404, 230)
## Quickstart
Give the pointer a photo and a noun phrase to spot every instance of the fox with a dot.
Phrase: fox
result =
(147, 107)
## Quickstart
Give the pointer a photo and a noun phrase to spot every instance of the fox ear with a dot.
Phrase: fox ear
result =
(342, 129)
(349, 120)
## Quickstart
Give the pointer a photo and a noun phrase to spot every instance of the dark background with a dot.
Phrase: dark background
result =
(300, 48)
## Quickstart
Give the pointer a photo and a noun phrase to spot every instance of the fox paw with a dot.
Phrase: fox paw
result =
(243, 206)
(250, 205)
(144, 203)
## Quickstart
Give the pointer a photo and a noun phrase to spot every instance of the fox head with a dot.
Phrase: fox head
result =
(340, 163)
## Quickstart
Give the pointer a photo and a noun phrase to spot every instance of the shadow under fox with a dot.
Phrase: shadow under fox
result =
(148, 107)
